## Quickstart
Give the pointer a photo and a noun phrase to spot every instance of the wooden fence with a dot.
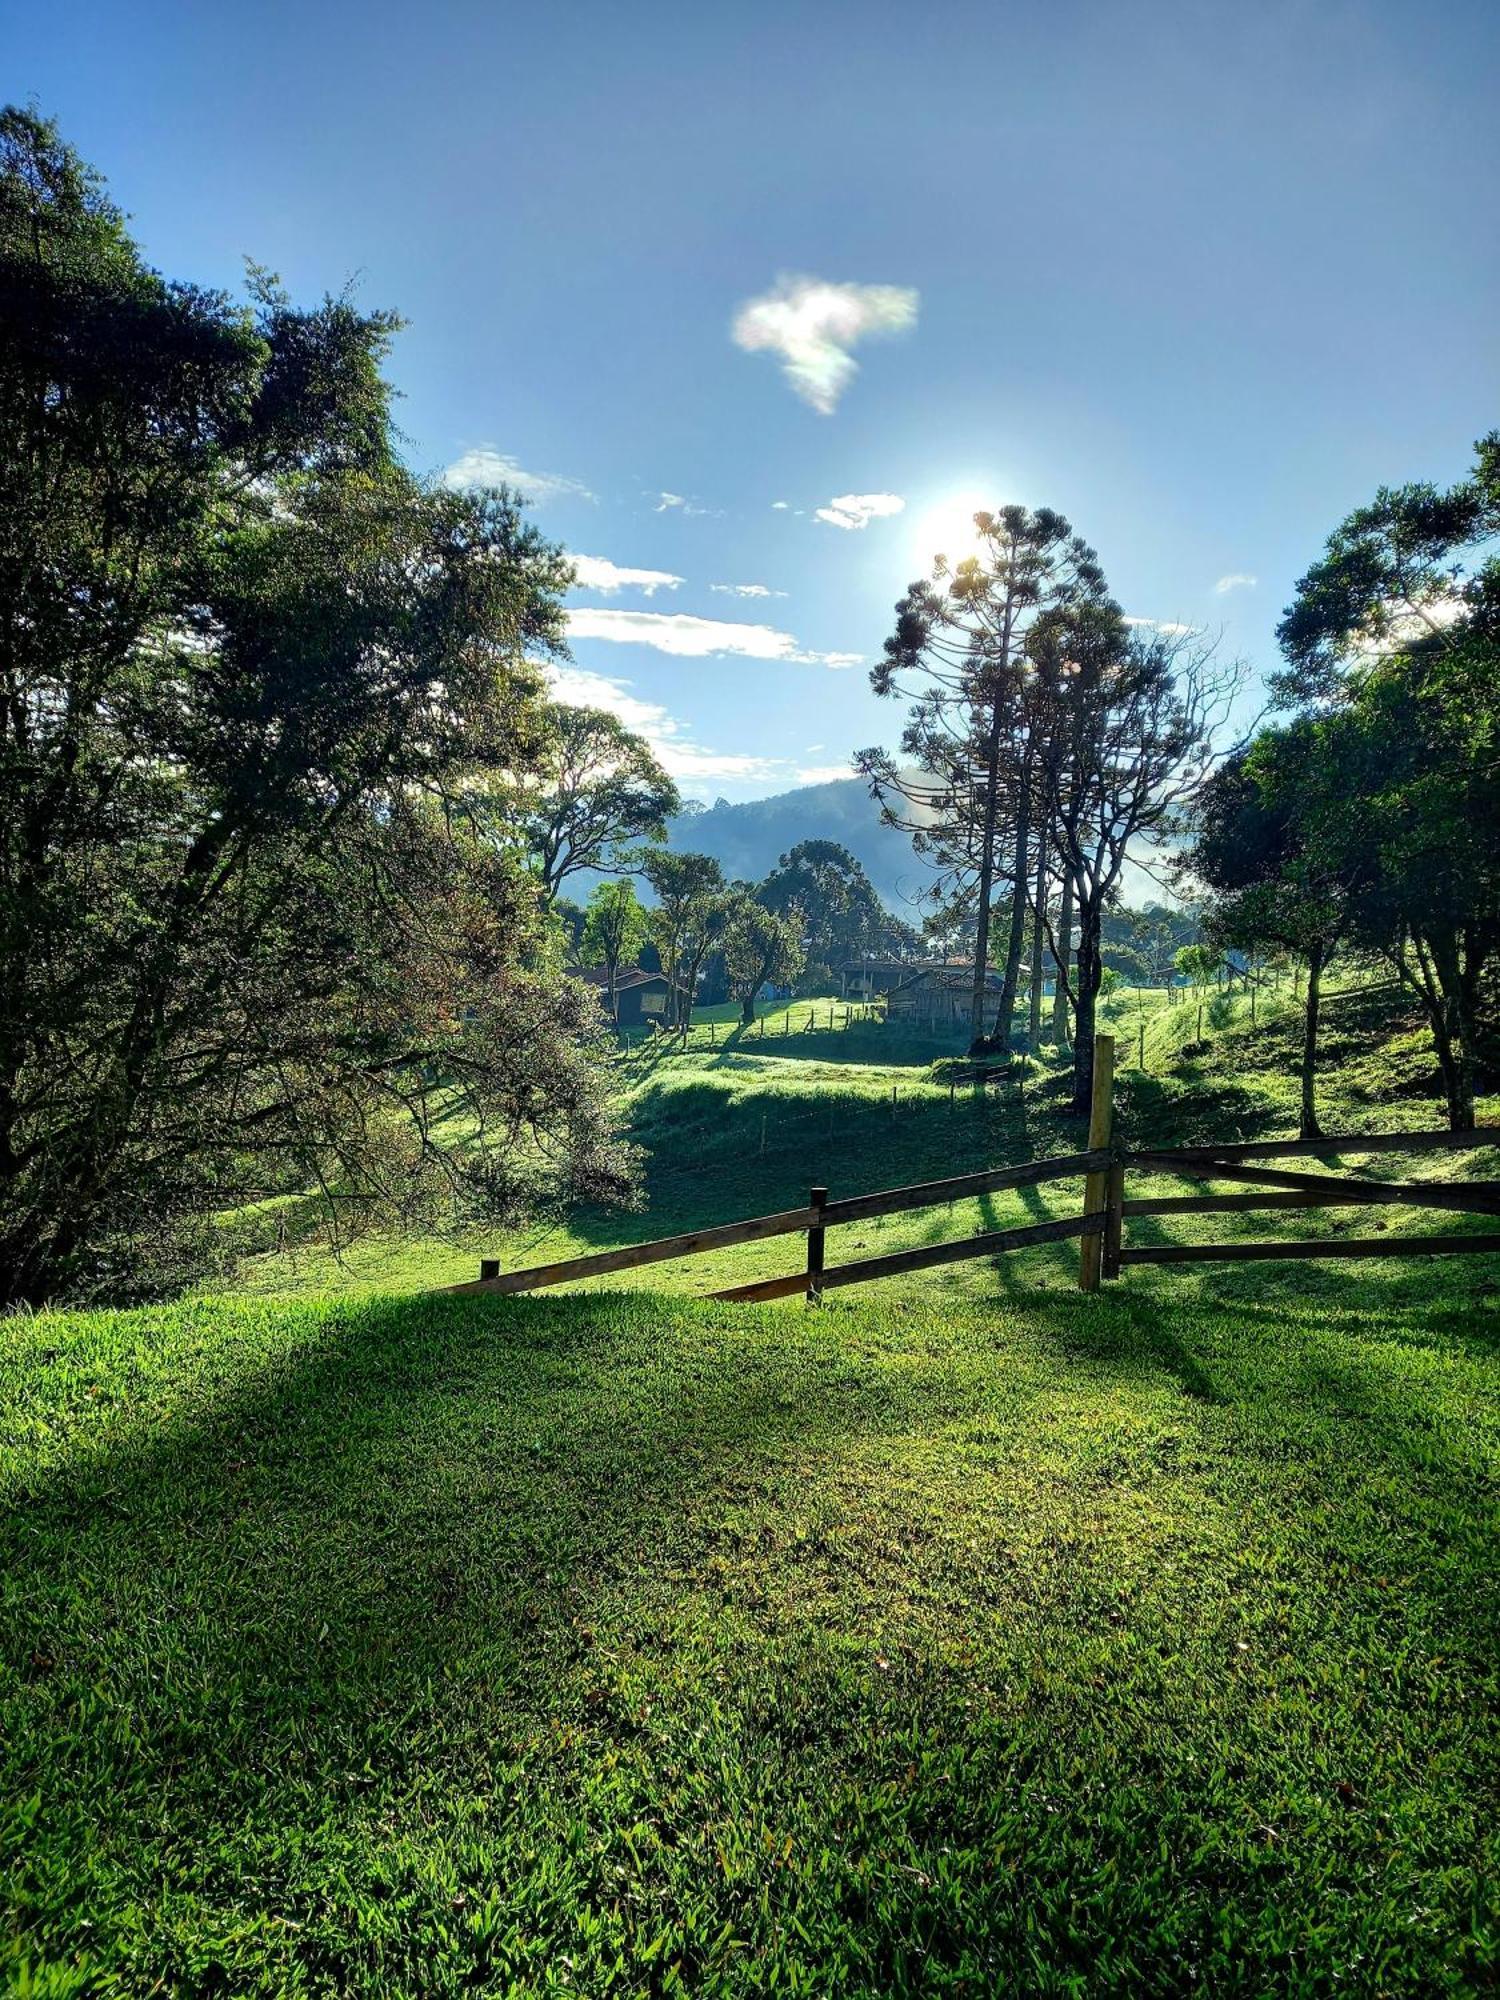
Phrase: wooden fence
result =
(1100, 1227)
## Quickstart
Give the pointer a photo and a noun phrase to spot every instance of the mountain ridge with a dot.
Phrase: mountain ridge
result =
(748, 839)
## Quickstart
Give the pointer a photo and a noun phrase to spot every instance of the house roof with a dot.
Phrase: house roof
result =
(626, 978)
(950, 975)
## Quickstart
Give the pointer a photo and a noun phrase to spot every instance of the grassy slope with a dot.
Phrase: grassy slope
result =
(962, 1634)
(743, 1125)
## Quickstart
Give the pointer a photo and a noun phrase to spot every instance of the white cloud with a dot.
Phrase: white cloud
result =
(691, 764)
(780, 506)
(1239, 580)
(1163, 625)
(823, 774)
(745, 590)
(599, 573)
(689, 638)
(812, 324)
(668, 503)
(484, 466)
(858, 510)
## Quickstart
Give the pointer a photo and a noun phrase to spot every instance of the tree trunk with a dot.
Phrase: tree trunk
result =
(1086, 978)
(1060, 959)
(986, 884)
(747, 1008)
(1005, 1012)
(1038, 909)
(1453, 1031)
(1309, 1127)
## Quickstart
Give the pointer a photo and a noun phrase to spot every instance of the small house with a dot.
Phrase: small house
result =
(640, 997)
(938, 996)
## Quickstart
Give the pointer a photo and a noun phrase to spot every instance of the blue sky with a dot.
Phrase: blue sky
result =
(1201, 276)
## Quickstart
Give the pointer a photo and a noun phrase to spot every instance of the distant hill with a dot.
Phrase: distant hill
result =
(748, 840)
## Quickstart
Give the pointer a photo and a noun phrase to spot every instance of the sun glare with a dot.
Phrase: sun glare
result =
(947, 528)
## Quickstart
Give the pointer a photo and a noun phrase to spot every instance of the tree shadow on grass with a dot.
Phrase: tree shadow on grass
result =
(364, 1559)
(417, 1478)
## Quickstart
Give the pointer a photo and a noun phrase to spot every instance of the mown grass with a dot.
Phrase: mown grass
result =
(965, 1636)
(635, 1645)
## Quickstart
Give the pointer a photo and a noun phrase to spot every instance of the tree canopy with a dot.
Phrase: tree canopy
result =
(249, 666)
(600, 787)
(842, 915)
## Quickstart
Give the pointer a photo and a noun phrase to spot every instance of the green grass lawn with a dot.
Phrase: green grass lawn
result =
(631, 1644)
(964, 1636)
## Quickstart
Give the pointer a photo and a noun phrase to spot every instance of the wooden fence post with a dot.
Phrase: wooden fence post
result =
(1096, 1186)
(1114, 1218)
(816, 1238)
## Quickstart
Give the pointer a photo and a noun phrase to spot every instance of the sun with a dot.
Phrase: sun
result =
(947, 528)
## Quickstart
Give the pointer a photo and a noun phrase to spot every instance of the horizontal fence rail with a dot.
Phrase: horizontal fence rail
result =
(931, 1194)
(1335, 1246)
(991, 1244)
(816, 1217)
(1478, 1137)
(630, 1255)
(1284, 1188)
(1463, 1199)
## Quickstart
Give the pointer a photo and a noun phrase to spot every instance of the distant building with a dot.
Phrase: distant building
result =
(640, 997)
(862, 978)
(937, 995)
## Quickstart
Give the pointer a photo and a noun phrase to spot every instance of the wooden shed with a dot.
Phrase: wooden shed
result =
(937, 996)
(640, 997)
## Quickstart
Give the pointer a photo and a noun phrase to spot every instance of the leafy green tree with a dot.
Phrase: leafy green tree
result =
(1417, 571)
(842, 914)
(1411, 819)
(965, 781)
(1276, 886)
(759, 945)
(1130, 743)
(601, 788)
(248, 664)
(1199, 964)
(1394, 637)
(688, 918)
(614, 930)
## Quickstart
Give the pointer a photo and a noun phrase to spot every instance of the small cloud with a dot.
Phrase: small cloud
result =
(745, 590)
(824, 774)
(1239, 580)
(669, 503)
(1164, 625)
(484, 466)
(858, 510)
(780, 506)
(599, 573)
(812, 324)
(690, 763)
(688, 638)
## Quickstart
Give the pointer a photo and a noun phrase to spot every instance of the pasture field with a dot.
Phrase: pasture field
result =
(735, 1123)
(967, 1635)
